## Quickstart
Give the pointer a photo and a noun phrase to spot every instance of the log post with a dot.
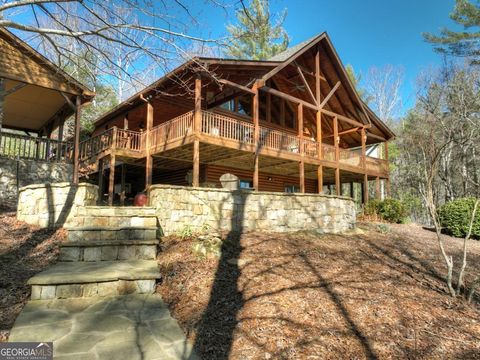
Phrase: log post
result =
(387, 190)
(301, 147)
(378, 195)
(256, 124)
(100, 180)
(364, 165)
(197, 128)
(148, 141)
(365, 188)
(319, 152)
(76, 146)
(111, 179)
(122, 185)
(2, 105)
(336, 141)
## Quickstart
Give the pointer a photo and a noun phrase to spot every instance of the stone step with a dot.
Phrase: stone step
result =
(114, 221)
(108, 250)
(116, 211)
(102, 278)
(87, 233)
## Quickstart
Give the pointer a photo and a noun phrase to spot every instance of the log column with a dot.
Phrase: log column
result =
(197, 128)
(301, 148)
(256, 124)
(364, 165)
(387, 180)
(318, 97)
(2, 104)
(336, 140)
(76, 148)
(148, 155)
(111, 175)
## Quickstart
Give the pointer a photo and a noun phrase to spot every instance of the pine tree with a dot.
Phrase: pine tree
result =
(257, 36)
(355, 79)
(463, 43)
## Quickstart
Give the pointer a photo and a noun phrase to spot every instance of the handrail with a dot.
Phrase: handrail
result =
(226, 127)
(35, 148)
(171, 130)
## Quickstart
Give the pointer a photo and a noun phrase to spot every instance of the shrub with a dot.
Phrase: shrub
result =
(455, 217)
(391, 210)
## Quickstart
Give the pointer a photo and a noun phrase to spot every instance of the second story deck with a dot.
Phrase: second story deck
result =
(226, 132)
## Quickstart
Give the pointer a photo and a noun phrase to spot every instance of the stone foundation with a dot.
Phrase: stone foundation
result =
(53, 205)
(238, 210)
(15, 174)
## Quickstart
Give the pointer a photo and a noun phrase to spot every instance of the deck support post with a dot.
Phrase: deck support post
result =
(148, 156)
(378, 194)
(365, 188)
(319, 152)
(111, 180)
(256, 124)
(336, 141)
(387, 180)
(2, 105)
(122, 185)
(320, 179)
(76, 147)
(100, 180)
(197, 127)
(363, 135)
(301, 147)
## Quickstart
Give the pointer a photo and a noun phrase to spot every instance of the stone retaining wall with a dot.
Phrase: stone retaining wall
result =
(53, 205)
(15, 174)
(179, 206)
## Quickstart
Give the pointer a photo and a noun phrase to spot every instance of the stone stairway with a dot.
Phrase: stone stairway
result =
(98, 301)
(109, 251)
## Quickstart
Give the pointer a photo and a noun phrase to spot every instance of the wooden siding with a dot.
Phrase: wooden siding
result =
(277, 182)
(21, 66)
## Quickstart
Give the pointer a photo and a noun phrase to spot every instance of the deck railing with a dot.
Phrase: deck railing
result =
(129, 140)
(279, 140)
(35, 148)
(95, 145)
(227, 128)
(171, 130)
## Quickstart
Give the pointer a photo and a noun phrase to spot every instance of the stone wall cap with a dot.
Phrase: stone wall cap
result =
(254, 193)
(56, 185)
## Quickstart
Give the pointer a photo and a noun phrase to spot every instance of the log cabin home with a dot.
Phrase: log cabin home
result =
(293, 123)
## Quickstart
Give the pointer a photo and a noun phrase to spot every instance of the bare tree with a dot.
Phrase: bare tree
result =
(156, 32)
(383, 88)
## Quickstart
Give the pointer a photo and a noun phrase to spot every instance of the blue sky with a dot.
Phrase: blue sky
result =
(365, 32)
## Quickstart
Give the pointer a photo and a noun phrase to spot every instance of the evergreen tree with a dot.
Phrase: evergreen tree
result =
(463, 43)
(257, 36)
(355, 79)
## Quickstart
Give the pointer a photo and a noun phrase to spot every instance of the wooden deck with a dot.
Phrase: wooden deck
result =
(168, 140)
(18, 146)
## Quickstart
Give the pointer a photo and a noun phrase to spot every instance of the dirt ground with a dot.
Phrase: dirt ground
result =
(24, 251)
(372, 295)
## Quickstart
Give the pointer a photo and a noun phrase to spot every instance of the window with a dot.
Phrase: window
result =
(292, 188)
(246, 184)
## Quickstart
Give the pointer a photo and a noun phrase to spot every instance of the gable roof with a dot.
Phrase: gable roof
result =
(34, 87)
(20, 62)
(346, 94)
